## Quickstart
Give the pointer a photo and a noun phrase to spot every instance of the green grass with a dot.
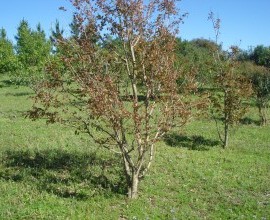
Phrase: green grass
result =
(47, 172)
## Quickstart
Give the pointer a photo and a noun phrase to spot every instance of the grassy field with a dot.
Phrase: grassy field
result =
(47, 172)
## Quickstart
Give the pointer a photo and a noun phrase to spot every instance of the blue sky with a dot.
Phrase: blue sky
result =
(243, 22)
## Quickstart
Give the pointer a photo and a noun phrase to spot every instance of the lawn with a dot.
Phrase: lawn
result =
(48, 172)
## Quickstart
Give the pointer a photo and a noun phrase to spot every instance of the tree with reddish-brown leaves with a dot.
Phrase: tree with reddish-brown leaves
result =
(233, 88)
(124, 95)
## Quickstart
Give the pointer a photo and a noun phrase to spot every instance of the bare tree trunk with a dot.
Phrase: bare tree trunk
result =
(226, 121)
(132, 177)
(262, 113)
(226, 135)
(133, 186)
(264, 119)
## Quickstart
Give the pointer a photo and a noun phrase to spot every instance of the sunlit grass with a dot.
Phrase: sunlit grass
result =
(47, 172)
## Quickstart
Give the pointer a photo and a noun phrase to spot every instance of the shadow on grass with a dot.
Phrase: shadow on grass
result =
(13, 115)
(249, 121)
(65, 174)
(194, 142)
(18, 94)
(6, 83)
(13, 82)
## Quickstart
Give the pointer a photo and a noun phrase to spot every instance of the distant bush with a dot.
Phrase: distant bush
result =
(260, 79)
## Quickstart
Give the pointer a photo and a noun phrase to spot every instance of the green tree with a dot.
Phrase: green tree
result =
(260, 79)
(24, 44)
(41, 46)
(33, 49)
(198, 55)
(261, 55)
(74, 27)
(56, 36)
(8, 59)
(32, 46)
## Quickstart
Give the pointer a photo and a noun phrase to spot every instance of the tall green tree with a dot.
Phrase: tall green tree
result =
(32, 46)
(24, 44)
(75, 27)
(33, 49)
(7, 56)
(42, 46)
(56, 36)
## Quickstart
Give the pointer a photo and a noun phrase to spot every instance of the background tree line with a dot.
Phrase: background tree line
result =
(32, 49)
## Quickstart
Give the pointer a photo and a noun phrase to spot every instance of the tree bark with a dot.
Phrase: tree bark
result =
(226, 135)
(262, 113)
(133, 186)
(226, 131)
(226, 120)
